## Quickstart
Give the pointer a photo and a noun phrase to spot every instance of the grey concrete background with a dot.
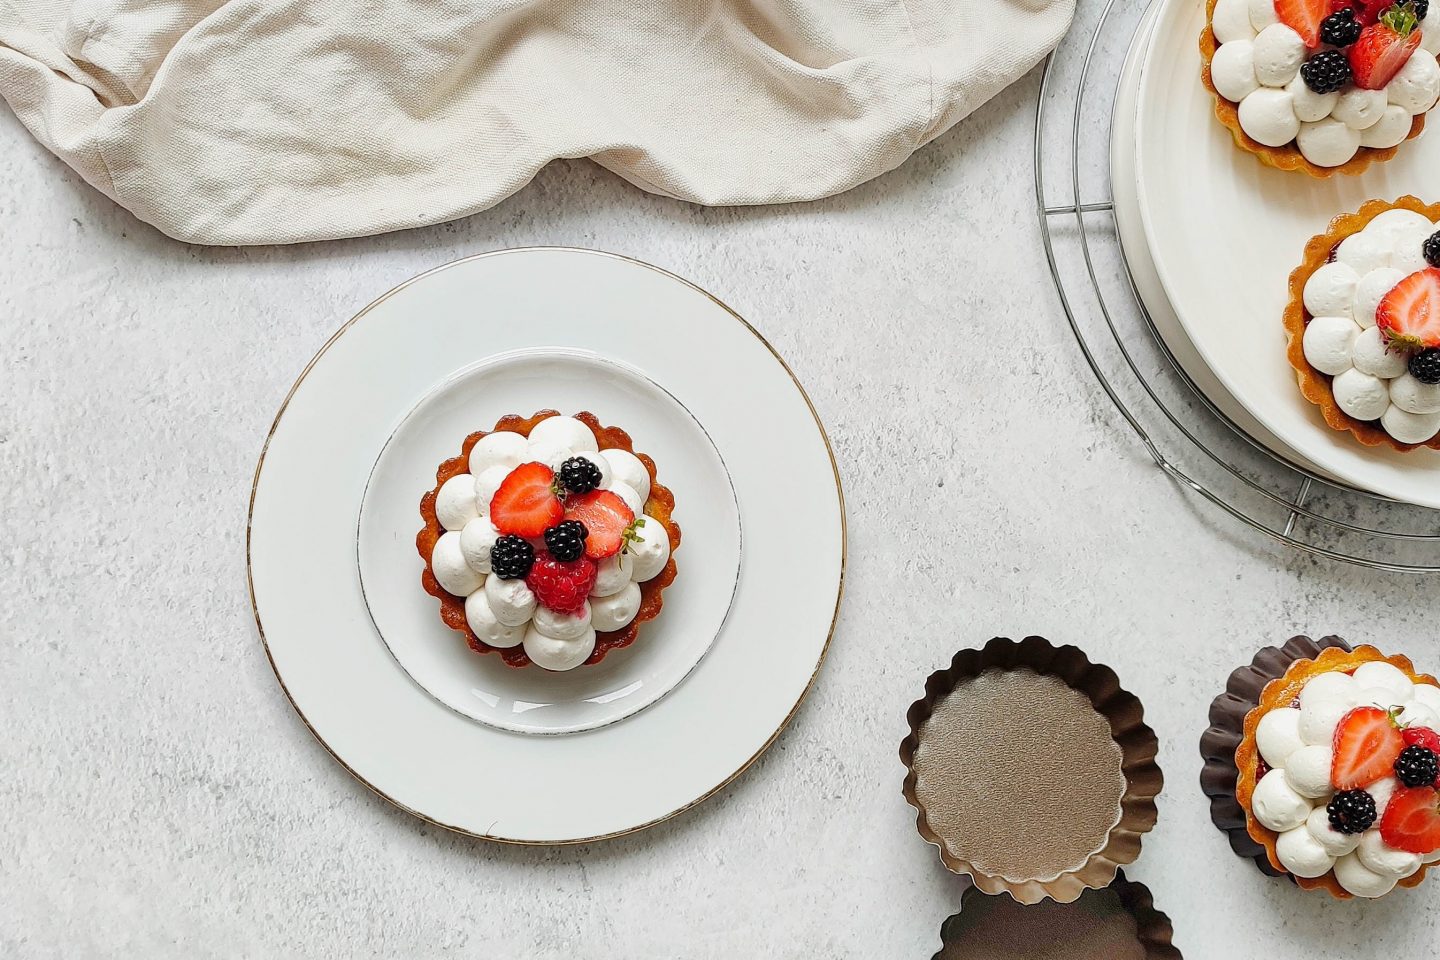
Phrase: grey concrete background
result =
(161, 799)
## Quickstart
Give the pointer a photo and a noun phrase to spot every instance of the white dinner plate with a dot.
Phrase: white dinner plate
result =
(627, 680)
(700, 391)
(1225, 232)
(1137, 251)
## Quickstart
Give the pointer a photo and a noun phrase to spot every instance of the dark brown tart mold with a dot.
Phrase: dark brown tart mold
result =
(1118, 785)
(1118, 922)
(661, 506)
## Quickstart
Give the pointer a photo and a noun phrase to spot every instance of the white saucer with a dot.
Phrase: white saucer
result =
(1137, 251)
(1225, 232)
(559, 311)
(531, 700)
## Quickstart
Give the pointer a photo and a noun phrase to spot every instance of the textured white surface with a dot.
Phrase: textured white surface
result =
(161, 799)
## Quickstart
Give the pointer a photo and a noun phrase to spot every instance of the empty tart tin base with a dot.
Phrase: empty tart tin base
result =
(1219, 776)
(1118, 922)
(1031, 770)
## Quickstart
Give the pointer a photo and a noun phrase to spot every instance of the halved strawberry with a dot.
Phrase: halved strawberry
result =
(1412, 820)
(1367, 11)
(1384, 47)
(1409, 315)
(526, 505)
(1304, 17)
(1366, 745)
(605, 516)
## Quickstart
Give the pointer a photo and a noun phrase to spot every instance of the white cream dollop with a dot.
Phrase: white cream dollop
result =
(1417, 84)
(1360, 880)
(1359, 108)
(487, 483)
(503, 448)
(549, 653)
(476, 540)
(1328, 342)
(1410, 427)
(1359, 394)
(1278, 735)
(1310, 106)
(1232, 70)
(487, 627)
(615, 611)
(1412, 396)
(1308, 770)
(1326, 142)
(562, 626)
(455, 502)
(1268, 116)
(650, 549)
(1381, 858)
(611, 575)
(1389, 131)
(1371, 355)
(1279, 51)
(447, 563)
(512, 601)
(1231, 21)
(1370, 291)
(1302, 854)
(567, 432)
(1276, 805)
(1336, 844)
(1384, 676)
(627, 469)
(1330, 290)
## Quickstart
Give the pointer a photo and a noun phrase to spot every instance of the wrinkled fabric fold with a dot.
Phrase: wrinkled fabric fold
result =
(275, 121)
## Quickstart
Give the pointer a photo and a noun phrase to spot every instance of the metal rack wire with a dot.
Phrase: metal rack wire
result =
(1179, 427)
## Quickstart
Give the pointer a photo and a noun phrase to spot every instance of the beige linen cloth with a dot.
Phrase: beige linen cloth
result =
(271, 121)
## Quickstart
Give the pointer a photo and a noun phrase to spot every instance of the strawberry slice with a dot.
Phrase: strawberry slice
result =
(1412, 820)
(1384, 47)
(1409, 315)
(1366, 746)
(526, 505)
(605, 516)
(1368, 11)
(1304, 17)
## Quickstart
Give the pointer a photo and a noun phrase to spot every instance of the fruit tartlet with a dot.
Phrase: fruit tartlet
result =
(1363, 324)
(548, 540)
(1322, 86)
(1338, 771)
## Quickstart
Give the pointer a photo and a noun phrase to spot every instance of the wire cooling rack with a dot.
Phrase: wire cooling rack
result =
(1179, 427)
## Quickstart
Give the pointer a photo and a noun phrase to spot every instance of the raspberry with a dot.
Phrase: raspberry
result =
(562, 586)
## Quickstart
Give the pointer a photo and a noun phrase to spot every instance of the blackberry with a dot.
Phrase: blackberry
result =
(1341, 29)
(1431, 250)
(511, 558)
(566, 541)
(1425, 366)
(1326, 72)
(1417, 766)
(580, 475)
(1352, 811)
(1422, 7)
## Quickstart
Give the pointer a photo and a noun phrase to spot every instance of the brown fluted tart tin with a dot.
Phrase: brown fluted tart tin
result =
(1118, 922)
(1220, 776)
(1031, 770)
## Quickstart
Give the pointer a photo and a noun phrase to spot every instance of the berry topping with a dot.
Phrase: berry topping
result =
(1417, 767)
(1326, 72)
(1412, 820)
(579, 475)
(566, 541)
(1431, 249)
(1384, 47)
(1366, 746)
(526, 505)
(1425, 366)
(1409, 315)
(1421, 737)
(511, 557)
(1352, 811)
(560, 585)
(607, 518)
(1341, 29)
(1304, 17)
